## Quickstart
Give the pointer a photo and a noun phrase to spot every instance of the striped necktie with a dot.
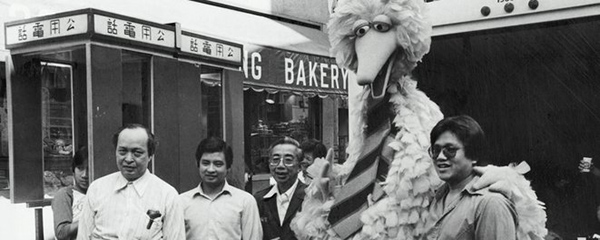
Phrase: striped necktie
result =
(371, 166)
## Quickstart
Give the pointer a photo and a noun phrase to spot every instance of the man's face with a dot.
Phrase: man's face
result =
(213, 169)
(451, 169)
(307, 161)
(284, 164)
(81, 177)
(132, 153)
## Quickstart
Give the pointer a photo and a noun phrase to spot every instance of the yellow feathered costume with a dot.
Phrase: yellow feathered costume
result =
(382, 41)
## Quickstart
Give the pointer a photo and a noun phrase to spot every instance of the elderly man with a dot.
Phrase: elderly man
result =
(279, 203)
(132, 203)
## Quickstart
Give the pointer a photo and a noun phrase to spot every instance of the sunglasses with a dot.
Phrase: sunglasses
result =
(449, 152)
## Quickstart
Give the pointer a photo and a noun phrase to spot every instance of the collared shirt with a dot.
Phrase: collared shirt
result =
(301, 177)
(232, 214)
(283, 199)
(118, 209)
(473, 215)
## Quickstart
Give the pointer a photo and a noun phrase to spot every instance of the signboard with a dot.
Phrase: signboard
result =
(296, 72)
(130, 30)
(105, 25)
(46, 29)
(212, 48)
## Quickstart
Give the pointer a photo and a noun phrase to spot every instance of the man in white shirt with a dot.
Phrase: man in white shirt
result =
(279, 203)
(132, 203)
(216, 210)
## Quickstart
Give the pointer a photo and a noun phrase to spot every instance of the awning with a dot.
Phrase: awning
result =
(273, 70)
(195, 17)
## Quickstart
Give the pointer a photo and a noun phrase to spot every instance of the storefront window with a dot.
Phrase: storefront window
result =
(212, 104)
(136, 88)
(272, 116)
(62, 76)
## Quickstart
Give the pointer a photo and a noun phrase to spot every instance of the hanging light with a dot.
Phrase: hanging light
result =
(269, 99)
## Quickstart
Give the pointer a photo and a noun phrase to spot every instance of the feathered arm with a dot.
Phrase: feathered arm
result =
(311, 222)
(511, 183)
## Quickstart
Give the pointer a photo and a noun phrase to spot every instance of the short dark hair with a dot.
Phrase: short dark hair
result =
(291, 141)
(213, 145)
(467, 130)
(315, 147)
(151, 144)
(80, 157)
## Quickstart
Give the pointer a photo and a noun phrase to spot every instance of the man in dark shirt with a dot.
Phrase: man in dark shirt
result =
(279, 203)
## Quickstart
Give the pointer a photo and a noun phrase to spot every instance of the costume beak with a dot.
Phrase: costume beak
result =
(373, 51)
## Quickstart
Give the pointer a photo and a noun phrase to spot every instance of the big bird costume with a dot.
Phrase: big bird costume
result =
(384, 189)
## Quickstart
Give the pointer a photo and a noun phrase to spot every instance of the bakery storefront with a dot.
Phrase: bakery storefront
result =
(288, 93)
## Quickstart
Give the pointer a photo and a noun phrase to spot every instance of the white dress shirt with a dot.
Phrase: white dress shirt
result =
(117, 209)
(232, 214)
(283, 199)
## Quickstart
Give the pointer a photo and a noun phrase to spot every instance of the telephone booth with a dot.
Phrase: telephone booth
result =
(77, 77)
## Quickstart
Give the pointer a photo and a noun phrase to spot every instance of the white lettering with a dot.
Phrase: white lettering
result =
(257, 69)
(312, 76)
(323, 75)
(334, 76)
(245, 64)
(289, 71)
(301, 74)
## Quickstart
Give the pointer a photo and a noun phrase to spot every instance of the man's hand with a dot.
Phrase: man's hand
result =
(586, 166)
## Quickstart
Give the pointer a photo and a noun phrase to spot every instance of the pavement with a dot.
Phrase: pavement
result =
(17, 222)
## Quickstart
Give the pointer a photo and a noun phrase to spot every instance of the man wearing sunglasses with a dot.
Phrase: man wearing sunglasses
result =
(462, 211)
(279, 203)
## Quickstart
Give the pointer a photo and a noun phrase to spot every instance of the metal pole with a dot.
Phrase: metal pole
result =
(39, 223)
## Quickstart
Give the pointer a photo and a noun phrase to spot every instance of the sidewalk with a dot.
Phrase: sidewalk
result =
(17, 221)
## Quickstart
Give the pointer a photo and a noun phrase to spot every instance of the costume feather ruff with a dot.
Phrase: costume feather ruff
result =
(411, 180)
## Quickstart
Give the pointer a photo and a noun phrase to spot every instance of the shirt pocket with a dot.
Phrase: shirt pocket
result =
(155, 230)
(465, 232)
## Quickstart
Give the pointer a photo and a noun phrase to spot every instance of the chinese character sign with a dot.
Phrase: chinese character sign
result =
(45, 29)
(131, 30)
(210, 48)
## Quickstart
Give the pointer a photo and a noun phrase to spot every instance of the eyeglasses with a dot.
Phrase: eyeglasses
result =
(449, 152)
(288, 162)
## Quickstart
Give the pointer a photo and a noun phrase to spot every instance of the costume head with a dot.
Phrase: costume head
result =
(388, 36)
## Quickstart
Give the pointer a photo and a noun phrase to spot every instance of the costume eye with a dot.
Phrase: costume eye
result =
(361, 31)
(361, 27)
(381, 26)
(382, 23)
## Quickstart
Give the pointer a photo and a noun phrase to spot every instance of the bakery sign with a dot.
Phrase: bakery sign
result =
(301, 73)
